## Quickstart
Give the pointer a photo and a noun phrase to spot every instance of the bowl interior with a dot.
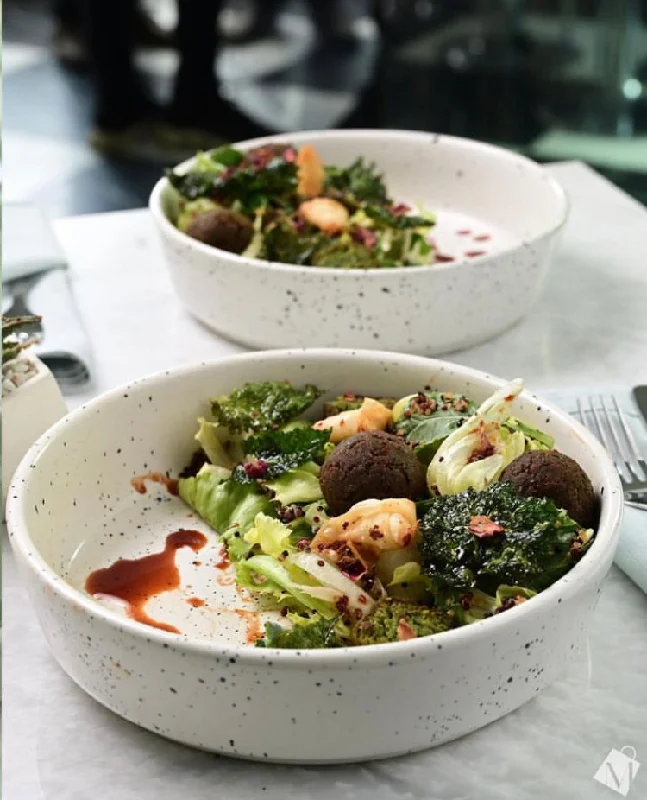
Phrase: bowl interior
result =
(72, 507)
(486, 199)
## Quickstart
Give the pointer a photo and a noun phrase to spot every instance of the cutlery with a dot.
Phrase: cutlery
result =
(611, 427)
(640, 398)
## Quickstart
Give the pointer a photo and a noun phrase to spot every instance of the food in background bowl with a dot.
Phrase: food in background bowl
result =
(497, 218)
(384, 521)
(282, 203)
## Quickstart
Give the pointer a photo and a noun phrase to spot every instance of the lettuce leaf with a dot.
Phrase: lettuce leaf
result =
(222, 449)
(535, 439)
(258, 407)
(265, 574)
(271, 536)
(475, 455)
(298, 486)
(228, 507)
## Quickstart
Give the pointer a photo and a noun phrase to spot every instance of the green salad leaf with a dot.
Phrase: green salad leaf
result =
(300, 485)
(359, 183)
(426, 419)
(259, 407)
(482, 540)
(399, 222)
(281, 451)
(227, 506)
(313, 635)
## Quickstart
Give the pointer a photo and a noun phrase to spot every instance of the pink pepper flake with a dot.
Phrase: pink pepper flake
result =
(256, 469)
(400, 209)
(290, 155)
(484, 527)
(364, 236)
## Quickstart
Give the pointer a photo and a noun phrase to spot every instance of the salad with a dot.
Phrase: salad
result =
(283, 204)
(385, 519)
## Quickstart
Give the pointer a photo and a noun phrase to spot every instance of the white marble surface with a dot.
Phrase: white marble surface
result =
(590, 328)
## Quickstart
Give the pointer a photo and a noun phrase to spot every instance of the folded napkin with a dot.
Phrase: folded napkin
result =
(631, 555)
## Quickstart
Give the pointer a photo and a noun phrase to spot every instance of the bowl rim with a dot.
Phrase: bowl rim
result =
(170, 230)
(606, 536)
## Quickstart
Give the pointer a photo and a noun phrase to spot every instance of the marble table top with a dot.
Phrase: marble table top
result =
(589, 329)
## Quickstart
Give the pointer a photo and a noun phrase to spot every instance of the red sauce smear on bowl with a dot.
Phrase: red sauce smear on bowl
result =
(442, 258)
(196, 602)
(172, 485)
(475, 253)
(483, 237)
(137, 581)
(464, 232)
(253, 620)
(224, 560)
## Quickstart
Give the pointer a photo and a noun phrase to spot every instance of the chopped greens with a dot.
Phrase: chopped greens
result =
(484, 539)
(262, 406)
(313, 635)
(276, 452)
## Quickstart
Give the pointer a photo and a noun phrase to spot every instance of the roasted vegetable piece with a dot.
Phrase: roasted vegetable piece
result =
(396, 621)
(484, 539)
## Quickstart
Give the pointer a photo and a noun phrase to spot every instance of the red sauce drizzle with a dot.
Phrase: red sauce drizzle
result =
(172, 485)
(475, 253)
(443, 258)
(224, 560)
(196, 602)
(253, 620)
(464, 232)
(137, 581)
(483, 237)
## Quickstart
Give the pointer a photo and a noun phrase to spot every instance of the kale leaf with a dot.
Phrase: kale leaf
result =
(258, 407)
(309, 636)
(359, 183)
(484, 539)
(281, 451)
(282, 242)
(384, 217)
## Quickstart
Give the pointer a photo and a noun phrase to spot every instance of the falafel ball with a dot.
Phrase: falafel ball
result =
(222, 228)
(548, 473)
(371, 464)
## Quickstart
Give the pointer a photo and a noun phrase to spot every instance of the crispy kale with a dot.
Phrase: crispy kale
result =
(359, 183)
(345, 255)
(277, 452)
(397, 620)
(318, 634)
(384, 217)
(480, 540)
(426, 419)
(286, 243)
(259, 407)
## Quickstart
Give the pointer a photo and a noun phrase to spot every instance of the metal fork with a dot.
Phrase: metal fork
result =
(611, 427)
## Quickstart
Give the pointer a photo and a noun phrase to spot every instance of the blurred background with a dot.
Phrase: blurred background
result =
(98, 99)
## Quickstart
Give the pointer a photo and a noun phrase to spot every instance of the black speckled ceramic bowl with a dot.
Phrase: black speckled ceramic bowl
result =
(498, 217)
(72, 509)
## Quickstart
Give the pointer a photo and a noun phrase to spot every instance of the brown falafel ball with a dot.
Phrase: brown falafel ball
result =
(371, 464)
(222, 228)
(549, 473)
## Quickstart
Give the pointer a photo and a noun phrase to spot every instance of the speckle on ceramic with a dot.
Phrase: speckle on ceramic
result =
(476, 190)
(72, 509)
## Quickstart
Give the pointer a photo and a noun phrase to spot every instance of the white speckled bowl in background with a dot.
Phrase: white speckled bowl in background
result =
(473, 187)
(71, 510)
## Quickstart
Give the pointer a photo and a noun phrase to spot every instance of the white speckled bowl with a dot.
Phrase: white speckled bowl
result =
(71, 509)
(431, 311)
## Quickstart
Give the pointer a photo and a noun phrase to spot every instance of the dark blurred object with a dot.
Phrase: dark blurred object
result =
(70, 39)
(128, 120)
(244, 21)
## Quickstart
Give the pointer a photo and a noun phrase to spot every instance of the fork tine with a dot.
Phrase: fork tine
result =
(635, 458)
(619, 446)
(604, 437)
(579, 413)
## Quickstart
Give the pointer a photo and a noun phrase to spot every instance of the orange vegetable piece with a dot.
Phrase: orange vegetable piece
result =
(326, 214)
(310, 172)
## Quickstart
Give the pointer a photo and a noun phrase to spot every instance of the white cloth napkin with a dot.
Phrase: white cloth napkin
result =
(631, 555)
